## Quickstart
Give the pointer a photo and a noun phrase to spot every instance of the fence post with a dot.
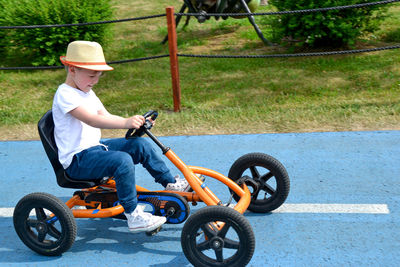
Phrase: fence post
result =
(173, 58)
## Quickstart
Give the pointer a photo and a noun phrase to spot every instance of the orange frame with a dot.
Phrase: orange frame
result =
(201, 193)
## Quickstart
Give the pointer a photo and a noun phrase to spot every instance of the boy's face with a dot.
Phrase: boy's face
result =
(84, 79)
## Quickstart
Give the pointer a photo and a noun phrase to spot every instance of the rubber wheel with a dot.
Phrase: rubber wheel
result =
(269, 185)
(204, 245)
(45, 234)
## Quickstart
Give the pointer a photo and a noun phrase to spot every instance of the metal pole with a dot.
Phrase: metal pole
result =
(173, 58)
(253, 22)
(178, 18)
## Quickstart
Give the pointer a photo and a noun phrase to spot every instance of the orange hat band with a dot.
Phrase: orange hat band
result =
(85, 63)
(81, 63)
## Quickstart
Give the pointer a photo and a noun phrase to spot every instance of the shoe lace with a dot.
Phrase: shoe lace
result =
(140, 214)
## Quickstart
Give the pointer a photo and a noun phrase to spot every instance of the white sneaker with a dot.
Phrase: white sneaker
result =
(140, 221)
(180, 185)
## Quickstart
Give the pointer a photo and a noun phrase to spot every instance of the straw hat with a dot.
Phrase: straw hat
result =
(85, 55)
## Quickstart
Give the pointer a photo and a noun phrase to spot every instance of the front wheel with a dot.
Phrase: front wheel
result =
(45, 224)
(267, 180)
(218, 236)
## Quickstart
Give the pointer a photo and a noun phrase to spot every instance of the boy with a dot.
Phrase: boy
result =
(78, 117)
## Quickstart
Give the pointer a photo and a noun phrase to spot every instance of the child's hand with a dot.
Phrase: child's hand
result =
(135, 122)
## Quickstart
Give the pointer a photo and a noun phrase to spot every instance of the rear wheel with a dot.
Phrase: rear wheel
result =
(45, 224)
(218, 236)
(267, 180)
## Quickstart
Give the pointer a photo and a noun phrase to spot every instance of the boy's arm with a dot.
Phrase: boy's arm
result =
(105, 120)
(105, 112)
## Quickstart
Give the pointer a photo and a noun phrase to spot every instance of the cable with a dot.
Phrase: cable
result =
(297, 54)
(291, 11)
(60, 67)
(81, 24)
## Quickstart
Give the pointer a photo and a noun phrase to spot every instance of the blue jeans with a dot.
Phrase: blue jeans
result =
(118, 160)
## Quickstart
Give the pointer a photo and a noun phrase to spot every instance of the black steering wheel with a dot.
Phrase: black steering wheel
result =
(132, 133)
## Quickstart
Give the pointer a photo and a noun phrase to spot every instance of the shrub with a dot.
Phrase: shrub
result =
(2, 32)
(45, 45)
(328, 28)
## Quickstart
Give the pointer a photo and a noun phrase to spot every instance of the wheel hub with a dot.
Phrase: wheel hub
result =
(41, 227)
(254, 184)
(217, 243)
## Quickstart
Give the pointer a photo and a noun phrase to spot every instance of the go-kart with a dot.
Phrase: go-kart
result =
(215, 235)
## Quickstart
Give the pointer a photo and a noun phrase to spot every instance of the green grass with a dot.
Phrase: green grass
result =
(335, 93)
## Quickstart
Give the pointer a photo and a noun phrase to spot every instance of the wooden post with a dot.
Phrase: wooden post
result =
(173, 58)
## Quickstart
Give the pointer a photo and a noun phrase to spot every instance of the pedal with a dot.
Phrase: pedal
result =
(174, 207)
(154, 232)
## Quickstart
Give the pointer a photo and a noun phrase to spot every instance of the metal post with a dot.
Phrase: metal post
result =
(252, 21)
(178, 18)
(173, 58)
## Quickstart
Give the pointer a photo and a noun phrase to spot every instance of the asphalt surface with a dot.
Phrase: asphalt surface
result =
(343, 208)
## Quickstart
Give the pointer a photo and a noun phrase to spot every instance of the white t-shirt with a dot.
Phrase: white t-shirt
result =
(72, 135)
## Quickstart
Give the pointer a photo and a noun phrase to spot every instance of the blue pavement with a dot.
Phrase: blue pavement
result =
(326, 168)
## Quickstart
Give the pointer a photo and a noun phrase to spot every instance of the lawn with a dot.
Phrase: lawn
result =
(223, 96)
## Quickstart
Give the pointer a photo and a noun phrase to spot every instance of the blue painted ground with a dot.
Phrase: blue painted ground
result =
(344, 168)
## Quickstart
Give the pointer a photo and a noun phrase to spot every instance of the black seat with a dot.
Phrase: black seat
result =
(46, 133)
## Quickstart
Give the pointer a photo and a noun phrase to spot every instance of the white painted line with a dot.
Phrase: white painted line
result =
(333, 208)
(6, 212)
(299, 208)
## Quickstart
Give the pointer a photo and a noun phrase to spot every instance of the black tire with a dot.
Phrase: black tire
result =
(50, 236)
(204, 245)
(267, 175)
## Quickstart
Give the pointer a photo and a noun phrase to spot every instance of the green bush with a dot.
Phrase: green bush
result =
(45, 45)
(2, 31)
(329, 28)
